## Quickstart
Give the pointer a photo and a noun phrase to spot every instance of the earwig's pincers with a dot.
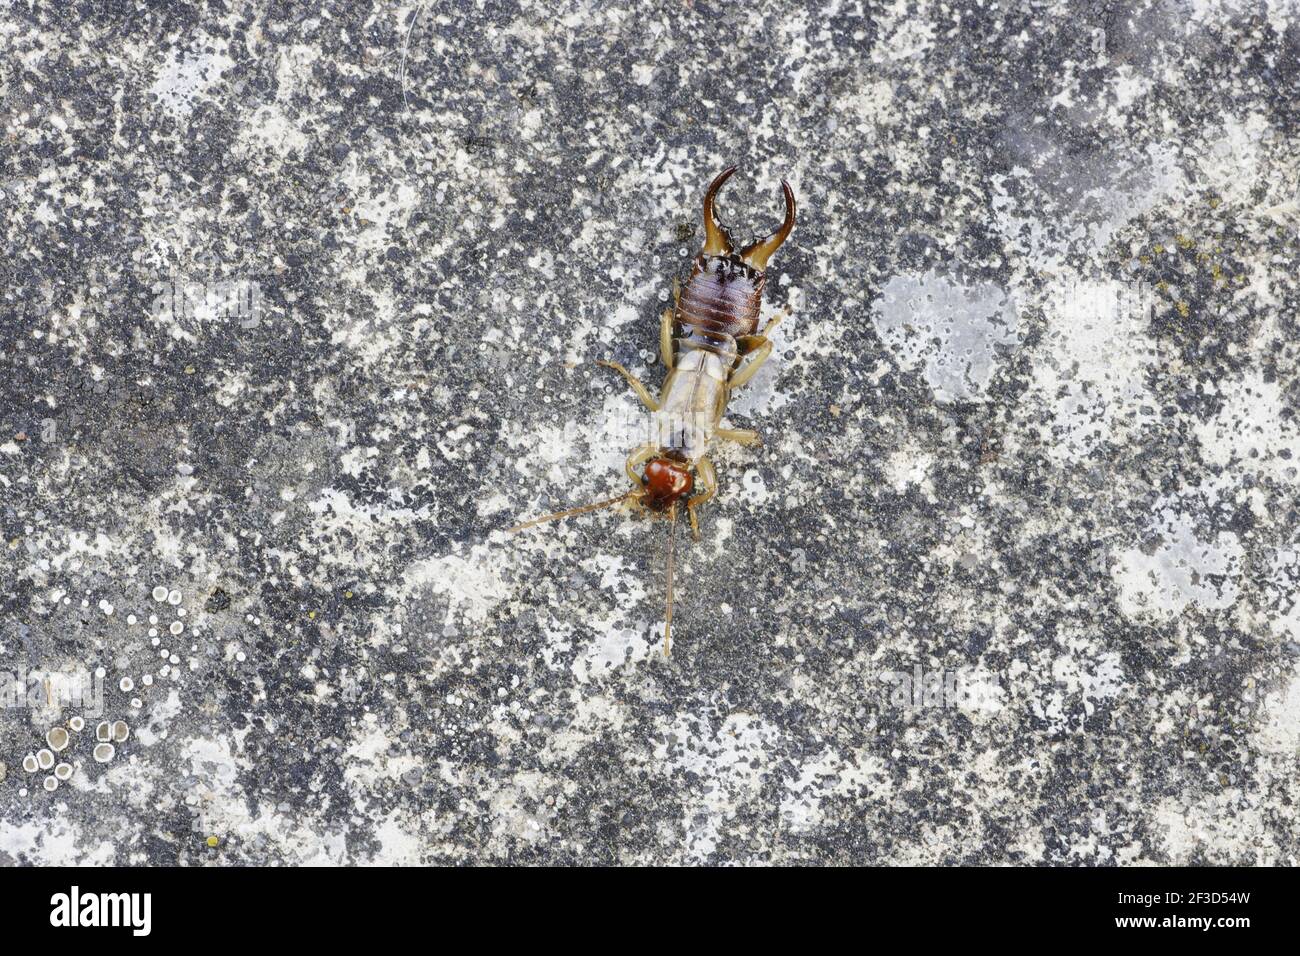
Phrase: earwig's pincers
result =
(717, 238)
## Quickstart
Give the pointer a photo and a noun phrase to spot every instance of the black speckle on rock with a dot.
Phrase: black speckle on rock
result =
(218, 600)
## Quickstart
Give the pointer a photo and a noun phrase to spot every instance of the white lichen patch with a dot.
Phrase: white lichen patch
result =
(185, 77)
(382, 207)
(1231, 163)
(1281, 593)
(55, 842)
(1222, 829)
(580, 455)
(1077, 201)
(1280, 730)
(1177, 567)
(1255, 429)
(830, 775)
(270, 128)
(613, 647)
(907, 467)
(1089, 371)
(473, 583)
(1080, 682)
(951, 332)
(731, 764)
(509, 803)
(374, 760)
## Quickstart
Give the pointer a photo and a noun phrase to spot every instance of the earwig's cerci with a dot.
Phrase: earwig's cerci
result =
(711, 345)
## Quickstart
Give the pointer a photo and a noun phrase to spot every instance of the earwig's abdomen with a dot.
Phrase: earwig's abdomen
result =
(720, 303)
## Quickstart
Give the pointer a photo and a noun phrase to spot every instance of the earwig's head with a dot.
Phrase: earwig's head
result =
(717, 237)
(666, 481)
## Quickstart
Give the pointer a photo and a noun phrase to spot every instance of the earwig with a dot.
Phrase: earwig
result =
(711, 345)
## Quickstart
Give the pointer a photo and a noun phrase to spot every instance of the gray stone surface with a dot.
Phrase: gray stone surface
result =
(300, 304)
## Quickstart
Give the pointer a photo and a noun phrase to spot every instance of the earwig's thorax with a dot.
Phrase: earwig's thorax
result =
(727, 268)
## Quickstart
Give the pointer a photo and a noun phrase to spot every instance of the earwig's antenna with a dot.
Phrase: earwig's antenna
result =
(668, 616)
(573, 511)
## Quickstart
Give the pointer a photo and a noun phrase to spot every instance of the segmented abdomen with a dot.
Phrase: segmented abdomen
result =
(720, 303)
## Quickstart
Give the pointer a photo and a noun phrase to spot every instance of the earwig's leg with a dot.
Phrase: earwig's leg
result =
(642, 392)
(741, 436)
(666, 338)
(637, 459)
(776, 319)
(752, 361)
(709, 479)
(756, 349)
(666, 324)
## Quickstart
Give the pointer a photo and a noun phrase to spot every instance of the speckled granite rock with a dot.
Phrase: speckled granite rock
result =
(300, 304)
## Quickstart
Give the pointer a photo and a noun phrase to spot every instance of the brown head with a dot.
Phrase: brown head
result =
(666, 482)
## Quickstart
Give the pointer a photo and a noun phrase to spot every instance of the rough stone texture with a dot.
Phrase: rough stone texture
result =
(300, 304)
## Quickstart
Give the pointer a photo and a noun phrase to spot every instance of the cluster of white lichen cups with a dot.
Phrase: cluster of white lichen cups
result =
(57, 739)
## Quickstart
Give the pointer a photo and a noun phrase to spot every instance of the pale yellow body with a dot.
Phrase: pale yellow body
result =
(688, 414)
